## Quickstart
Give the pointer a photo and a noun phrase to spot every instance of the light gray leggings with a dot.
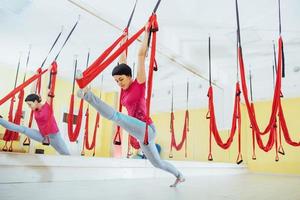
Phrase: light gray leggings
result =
(56, 141)
(136, 128)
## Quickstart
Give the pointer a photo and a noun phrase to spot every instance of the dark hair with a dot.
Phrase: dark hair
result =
(122, 69)
(33, 98)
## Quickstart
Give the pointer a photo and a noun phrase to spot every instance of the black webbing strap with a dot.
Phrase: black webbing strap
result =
(17, 73)
(27, 62)
(56, 57)
(58, 36)
(87, 59)
(275, 64)
(238, 23)
(131, 15)
(172, 101)
(274, 55)
(279, 24)
(75, 69)
(283, 62)
(279, 16)
(237, 57)
(187, 94)
(250, 79)
(67, 38)
(209, 60)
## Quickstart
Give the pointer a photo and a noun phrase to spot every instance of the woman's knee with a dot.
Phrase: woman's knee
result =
(114, 117)
(158, 164)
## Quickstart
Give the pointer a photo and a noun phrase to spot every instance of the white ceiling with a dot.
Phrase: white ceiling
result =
(182, 41)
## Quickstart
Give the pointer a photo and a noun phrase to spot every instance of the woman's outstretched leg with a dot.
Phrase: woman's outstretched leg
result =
(31, 133)
(56, 140)
(130, 124)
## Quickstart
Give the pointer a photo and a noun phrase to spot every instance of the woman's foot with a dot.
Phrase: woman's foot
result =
(82, 92)
(179, 179)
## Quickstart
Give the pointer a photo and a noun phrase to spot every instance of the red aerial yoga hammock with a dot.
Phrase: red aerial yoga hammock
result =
(276, 98)
(86, 144)
(276, 105)
(52, 79)
(102, 62)
(73, 134)
(236, 119)
(280, 148)
(245, 92)
(282, 122)
(185, 127)
(10, 135)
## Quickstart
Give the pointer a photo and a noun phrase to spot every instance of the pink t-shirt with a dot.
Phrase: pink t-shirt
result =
(133, 98)
(45, 120)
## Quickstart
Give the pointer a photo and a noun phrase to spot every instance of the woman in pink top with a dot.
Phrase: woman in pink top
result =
(133, 98)
(46, 123)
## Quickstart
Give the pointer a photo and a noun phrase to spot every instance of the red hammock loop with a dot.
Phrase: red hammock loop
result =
(74, 133)
(236, 121)
(276, 97)
(11, 135)
(86, 144)
(184, 133)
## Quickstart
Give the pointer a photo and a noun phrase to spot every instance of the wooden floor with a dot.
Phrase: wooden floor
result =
(206, 187)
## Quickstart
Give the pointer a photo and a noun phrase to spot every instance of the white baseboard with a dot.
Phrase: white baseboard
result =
(16, 167)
